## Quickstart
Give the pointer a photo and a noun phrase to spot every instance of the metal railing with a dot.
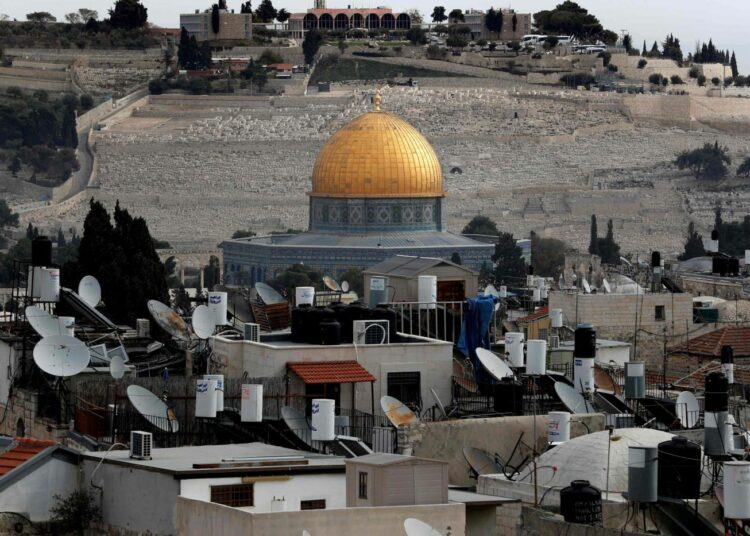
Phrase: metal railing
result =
(436, 320)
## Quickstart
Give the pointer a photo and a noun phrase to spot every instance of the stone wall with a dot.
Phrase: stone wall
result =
(23, 406)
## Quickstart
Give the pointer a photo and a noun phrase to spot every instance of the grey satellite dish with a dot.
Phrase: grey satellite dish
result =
(204, 322)
(296, 421)
(493, 364)
(90, 290)
(268, 294)
(331, 283)
(117, 367)
(169, 320)
(153, 408)
(42, 322)
(607, 288)
(572, 399)
(397, 412)
(481, 462)
(61, 355)
(586, 286)
(439, 402)
(345, 286)
(237, 305)
(415, 527)
(490, 290)
(688, 409)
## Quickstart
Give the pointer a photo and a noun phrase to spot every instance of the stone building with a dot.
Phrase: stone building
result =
(377, 191)
(320, 18)
(232, 26)
(475, 20)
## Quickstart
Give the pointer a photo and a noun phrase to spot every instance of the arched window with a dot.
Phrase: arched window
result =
(341, 22)
(403, 22)
(20, 428)
(358, 21)
(325, 22)
(310, 22)
(373, 21)
(388, 21)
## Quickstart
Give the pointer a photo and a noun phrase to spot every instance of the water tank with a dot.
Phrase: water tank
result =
(330, 332)
(323, 419)
(251, 406)
(378, 291)
(347, 317)
(558, 427)
(219, 390)
(655, 259)
(49, 284)
(217, 303)
(502, 291)
(556, 318)
(717, 392)
(312, 330)
(300, 321)
(584, 353)
(716, 438)
(205, 398)
(427, 291)
(41, 251)
(544, 293)
(737, 490)
(679, 469)
(508, 397)
(536, 357)
(385, 312)
(514, 348)
(733, 266)
(635, 380)
(304, 296)
(727, 363)
(747, 258)
(585, 341)
(642, 474)
(719, 265)
(713, 244)
(581, 503)
(536, 295)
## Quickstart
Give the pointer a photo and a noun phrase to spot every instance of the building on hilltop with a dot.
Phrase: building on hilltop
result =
(377, 191)
(475, 20)
(232, 26)
(320, 18)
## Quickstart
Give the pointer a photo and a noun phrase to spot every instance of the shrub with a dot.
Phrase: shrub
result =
(676, 80)
(664, 82)
(655, 79)
(716, 80)
(269, 57)
(87, 102)
(694, 72)
(612, 68)
(536, 56)
(157, 87)
(456, 41)
(434, 52)
(605, 56)
(75, 512)
(575, 80)
(642, 63)
(701, 80)
(481, 42)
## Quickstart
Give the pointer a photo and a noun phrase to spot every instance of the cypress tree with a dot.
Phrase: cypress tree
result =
(644, 53)
(183, 52)
(215, 19)
(693, 244)
(594, 240)
(508, 259)
(733, 64)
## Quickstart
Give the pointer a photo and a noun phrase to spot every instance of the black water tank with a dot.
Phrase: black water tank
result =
(581, 503)
(315, 316)
(717, 392)
(531, 270)
(733, 266)
(679, 468)
(585, 341)
(41, 251)
(300, 319)
(714, 235)
(719, 265)
(727, 354)
(330, 332)
(655, 259)
(384, 312)
(508, 397)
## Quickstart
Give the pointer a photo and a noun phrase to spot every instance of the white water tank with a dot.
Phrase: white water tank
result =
(49, 284)
(378, 291)
(544, 293)
(536, 295)
(536, 357)
(635, 380)
(737, 490)
(514, 348)
(642, 474)
(219, 390)
(251, 407)
(323, 419)
(205, 398)
(427, 291)
(503, 291)
(217, 303)
(583, 374)
(728, 370)
(747, 258)
(67, 325)
(556, 318)
(558, 426)
(34, 281)
(304, 295)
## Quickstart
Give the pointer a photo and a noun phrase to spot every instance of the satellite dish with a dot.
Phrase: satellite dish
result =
(481, 462)
(296, 421)
(305, 533)
(572, 399)
(345, 286)
(397, 412)
(117, 367)
(586, 286)
(61, 355)
(688, 409)
(118, 351)
(204, 322)
(42, 322)
(90, 290)
(439, 402)
(497, 368)
(169, 320)
(153, 408)
(331, 283)
(268, 294)
(415, 527)
(607, 288)
(490, 290)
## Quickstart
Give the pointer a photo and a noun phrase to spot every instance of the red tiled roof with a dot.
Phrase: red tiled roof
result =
(331, 372)
(23, 450)
(536, 315)
(709, 345)
(281, 66)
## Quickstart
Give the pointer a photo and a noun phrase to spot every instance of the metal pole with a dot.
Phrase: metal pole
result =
(536, 492)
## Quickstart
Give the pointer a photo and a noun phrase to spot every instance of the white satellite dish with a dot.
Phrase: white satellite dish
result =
(397, 412)
(153, 408)
(90, 290)
(415, 527)
(607, 288)
(572, 399)
(586, 286)
(688, 409)
(490, 290)
(42, 322)
(345, 286)
(493, 364)
(268, 294)
(204, 322)
(117, 367)
(61, 355)
(331, 283)
(169, 320)
(305, 533)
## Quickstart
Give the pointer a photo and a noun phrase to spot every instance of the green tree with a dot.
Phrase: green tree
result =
(265, 11)
(68, 132)
(311, 45)
(215, 19)
(8, 218)
(456, 15)
(438, 14)
(744, 169)
(42, 17)
(676, 80)
(568, 18)
(709, 162)
(693, 244)
(514, 22)
(246, 7)
(269, 57)
(508, 259)
(594, 237)
(256, 74)
(243, 233)
(671, 49)
(88, 14)
(128, 15)
(74, 513)
(644, 52)
(493, 21)
(297, 275)
(416, 35)
(15, 165)
(481, 225)
(223, 4)
(282, 15)
(212, 273)
(609, 250)
(547, 255)
(733, 65)
(701, 80)
(627, 42)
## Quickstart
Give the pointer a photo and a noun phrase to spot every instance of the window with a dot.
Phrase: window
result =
(405, 386)
(315, 504)
(234, 495)
(543, 334)
(362, 485)
(659, 313)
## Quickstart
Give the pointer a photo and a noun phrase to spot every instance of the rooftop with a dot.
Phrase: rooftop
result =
(709, 345)
(23, 450)
(331, 372)
(380, 240)
(536, 315)
(409, 266)
(391, 459)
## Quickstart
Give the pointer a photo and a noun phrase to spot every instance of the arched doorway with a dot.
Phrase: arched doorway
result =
(373, 21)
(341, 22)
(358, 21)
(310, 22)
(20, 428)
(325, 22)
(388, 21)
(403, 22)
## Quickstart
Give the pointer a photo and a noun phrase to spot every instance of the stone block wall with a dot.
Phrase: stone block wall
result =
(22, 407)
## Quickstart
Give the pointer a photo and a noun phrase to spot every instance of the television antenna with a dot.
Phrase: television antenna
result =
(153, 408)
(61, 355)
(90, 290)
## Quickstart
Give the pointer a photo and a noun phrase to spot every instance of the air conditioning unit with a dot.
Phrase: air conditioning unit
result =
(554, 342)
(140, 445)
(143, 327)
(252, 332)
(371, 332)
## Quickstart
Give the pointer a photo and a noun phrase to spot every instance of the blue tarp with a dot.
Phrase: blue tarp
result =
(475, 332)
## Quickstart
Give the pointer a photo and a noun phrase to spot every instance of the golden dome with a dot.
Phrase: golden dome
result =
(377, 155)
